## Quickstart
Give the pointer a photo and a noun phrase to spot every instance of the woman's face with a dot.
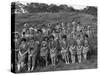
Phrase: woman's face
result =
(51, 39)
(53, 31)
(27, 31)
(72, 44)
(44, 44)
(16, 35)
(23, 42)
(63, 39)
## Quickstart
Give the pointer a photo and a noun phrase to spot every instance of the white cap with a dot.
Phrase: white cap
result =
(73, 22)
(25, 25)
(31, 28)
(16, 32)
(35, 29)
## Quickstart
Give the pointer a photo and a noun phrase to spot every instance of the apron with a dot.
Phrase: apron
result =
(43, 51)
(85, 49)
(79, 50)
(73, 50)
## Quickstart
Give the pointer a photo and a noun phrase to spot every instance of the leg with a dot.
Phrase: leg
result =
(73, 58)
(46, 60)
(79, 58)
(57, 58)
(29, 63)
(20, 64)
(67, 58)
(33, 62)
(85, 56)
(54, 60)
(18, 67)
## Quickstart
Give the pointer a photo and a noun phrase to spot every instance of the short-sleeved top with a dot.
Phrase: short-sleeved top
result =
(79, 28)
(52, 44)
(72, 50)
(88, 33)
(85, 41)
(17, 42)
(79, 41)
(24, 30)
(43, 51)
(63, 44)
(39, 37)
(31, 43)
(23, 48)
(85, 49)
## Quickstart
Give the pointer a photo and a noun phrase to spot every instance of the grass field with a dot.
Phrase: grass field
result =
(90, 64)
(44, 18)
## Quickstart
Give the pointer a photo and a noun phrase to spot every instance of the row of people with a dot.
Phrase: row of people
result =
(50, 42)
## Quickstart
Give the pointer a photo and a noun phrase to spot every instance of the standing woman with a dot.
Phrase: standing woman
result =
(25, 27)
(79, 52)
(16, 47)
(85, 47)
(44, 50)
(72, 50)
(31, 55)
(85, 51)
(64, 49)
(52, 47)
(22, 55)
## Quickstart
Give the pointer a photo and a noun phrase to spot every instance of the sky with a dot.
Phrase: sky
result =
(79, 7)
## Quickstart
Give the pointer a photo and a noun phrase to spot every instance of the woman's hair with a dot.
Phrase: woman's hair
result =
(23, 39)
(51, 37)
(64, 37)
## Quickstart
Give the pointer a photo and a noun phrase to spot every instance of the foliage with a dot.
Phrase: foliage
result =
(42, 7)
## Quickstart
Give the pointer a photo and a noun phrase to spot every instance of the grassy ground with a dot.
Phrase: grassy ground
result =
(89, 64)
(61, 66)
(44, 18)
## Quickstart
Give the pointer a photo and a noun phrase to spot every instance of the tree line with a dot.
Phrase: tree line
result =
(17, 7)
